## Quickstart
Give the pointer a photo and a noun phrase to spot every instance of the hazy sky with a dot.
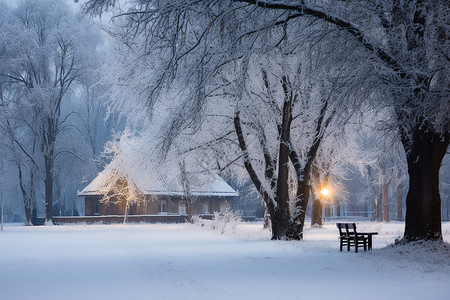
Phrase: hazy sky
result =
(71, 3)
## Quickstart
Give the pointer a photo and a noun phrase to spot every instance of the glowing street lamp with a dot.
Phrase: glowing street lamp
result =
(325, 198)
(325, 192)
(319, 202)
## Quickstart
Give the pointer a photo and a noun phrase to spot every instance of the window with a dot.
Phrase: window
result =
(96, 208)
(162, 207)
(205, 208)
(182, 207)
(223, 206)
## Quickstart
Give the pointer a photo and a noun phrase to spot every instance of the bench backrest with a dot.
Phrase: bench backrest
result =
(346, 229)
(342, 229)
(351, 229)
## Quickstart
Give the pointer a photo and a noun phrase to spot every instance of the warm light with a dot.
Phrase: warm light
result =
(325, 192)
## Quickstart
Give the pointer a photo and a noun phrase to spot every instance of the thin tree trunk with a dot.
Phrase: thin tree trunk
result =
(327, 210)
(380, 207)
(317, 206)
(268, 200)
(386, 201)
(399, 201)
(125, 215)
(189, 210)
(316, 213)
(48, 184)
(48, 148)
(266, 218)
(27, 199)
(375, 209)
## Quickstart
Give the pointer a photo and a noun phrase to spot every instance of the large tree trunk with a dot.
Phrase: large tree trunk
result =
(386, 201)
(282, 225)
(423, 202)
(299, 213)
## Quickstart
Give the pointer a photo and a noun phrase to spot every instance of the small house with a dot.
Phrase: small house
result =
(144, 190)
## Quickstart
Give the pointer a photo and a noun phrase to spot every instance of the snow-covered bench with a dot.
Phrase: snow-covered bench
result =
(348, 236)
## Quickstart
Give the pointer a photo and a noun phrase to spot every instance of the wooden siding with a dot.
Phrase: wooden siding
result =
(119, 219)
(93, 206)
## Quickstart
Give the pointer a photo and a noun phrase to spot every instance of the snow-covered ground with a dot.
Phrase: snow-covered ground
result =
(183, 261)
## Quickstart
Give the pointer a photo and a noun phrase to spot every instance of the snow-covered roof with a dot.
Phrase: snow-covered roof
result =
(157, 182)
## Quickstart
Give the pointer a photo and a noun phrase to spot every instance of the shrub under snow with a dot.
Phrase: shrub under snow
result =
(222, 221)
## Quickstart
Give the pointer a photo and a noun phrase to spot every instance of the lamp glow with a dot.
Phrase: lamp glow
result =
(325, 192)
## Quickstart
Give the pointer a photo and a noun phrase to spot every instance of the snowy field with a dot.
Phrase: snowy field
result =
(173, 261)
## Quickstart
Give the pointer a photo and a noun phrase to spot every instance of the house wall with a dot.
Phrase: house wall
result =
(91, 207)
(203, 205)
(208, 205)
(113, 207)
(94, 207)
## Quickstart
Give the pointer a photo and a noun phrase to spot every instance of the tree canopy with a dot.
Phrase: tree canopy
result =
(395, 53)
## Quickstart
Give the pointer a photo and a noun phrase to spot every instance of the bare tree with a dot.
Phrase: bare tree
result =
(289, 111)
(416, 81)
(119, 187)
(188, 195)
(47, 55)
(402, 49)
(278, 159)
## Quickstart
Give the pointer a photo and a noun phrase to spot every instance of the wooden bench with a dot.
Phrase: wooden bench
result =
(348, 236)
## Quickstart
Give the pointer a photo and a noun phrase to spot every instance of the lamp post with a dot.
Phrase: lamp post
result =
(325, 195)
(316, 214)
